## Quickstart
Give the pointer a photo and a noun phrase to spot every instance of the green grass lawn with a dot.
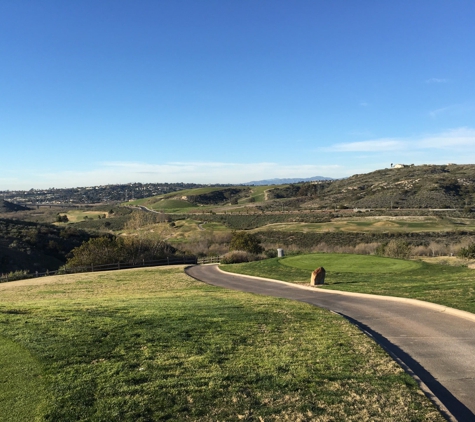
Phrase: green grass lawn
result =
(154, 344)
(75, 216)
(446, 285)
(22, 385)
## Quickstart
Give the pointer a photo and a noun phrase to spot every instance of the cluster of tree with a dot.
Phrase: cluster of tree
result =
(26, 245)
(219, 196)
(300, 189)
(62, 218)
(111, 249)
(245, 241)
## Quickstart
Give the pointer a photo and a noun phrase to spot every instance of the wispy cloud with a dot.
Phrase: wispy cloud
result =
(435, 113)
(453, 139)
(368, 146)
(459, 138)
(436, 81)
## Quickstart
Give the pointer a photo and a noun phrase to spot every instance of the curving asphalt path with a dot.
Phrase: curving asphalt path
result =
(435, 344)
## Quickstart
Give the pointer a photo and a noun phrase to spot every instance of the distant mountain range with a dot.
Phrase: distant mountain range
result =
(286, 181)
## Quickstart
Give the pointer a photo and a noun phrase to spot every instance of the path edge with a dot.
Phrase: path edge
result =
(416, 302)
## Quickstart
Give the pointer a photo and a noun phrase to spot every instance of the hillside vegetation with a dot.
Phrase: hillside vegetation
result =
(33, 247)
(420, 187)
(8, 207)
(426, 186)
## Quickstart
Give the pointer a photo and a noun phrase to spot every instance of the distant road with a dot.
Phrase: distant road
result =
(143, 208)
(439, 348)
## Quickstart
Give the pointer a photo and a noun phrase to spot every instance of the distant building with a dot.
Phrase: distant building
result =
(401, 166)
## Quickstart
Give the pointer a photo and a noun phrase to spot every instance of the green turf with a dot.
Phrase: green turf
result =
(446, 285)
(22, 385)
(350, 263)
(154, 344)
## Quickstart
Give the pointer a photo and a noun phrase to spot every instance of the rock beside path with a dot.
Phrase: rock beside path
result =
(318, 277)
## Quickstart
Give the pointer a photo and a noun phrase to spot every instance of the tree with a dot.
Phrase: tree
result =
(109, 250)
(468, 252)
(96, 251)
(244, 241)
(62, 218)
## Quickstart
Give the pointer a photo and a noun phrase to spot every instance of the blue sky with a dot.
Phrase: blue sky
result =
(228, 91)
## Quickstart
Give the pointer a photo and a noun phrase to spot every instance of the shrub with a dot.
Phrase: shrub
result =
(366, 248)
(271, 253)
(15, 275)
(397, 249)
(468, 252)
(236, 257)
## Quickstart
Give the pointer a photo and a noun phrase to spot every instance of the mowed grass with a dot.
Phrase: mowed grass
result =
(378, 225)
(154, 344)
(350, 263)
(447, 285)
(75, 216)
(22, 388)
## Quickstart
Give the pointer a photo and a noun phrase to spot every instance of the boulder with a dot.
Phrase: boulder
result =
(318, 276)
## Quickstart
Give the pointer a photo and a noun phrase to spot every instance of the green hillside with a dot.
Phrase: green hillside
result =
(191, 198)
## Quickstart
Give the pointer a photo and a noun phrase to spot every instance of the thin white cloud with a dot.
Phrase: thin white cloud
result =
(436, 113)
(451, 139)
(454, 139)
(376, 145)
(436, 81)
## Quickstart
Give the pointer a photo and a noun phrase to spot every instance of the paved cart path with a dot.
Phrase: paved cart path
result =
(437, 346)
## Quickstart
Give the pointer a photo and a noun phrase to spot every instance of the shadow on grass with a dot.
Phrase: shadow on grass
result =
(456, 408)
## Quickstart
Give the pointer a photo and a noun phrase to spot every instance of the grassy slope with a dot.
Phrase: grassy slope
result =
(446, 285)
(379, 225)
(170, 200)
(153, 344)
(22, 388)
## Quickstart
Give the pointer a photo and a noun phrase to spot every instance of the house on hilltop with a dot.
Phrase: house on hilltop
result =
(401, 166)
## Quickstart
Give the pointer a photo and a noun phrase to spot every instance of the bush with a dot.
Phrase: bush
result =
(271, 253)
(395, 249)
(236, 257)
(15, 275)
(468, 252)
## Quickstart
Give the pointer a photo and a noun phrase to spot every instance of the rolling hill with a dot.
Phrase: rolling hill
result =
(410, 187)
(7, 206)
(425, 186)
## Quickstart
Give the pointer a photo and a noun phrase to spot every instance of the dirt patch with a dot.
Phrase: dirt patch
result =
(385, 224)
